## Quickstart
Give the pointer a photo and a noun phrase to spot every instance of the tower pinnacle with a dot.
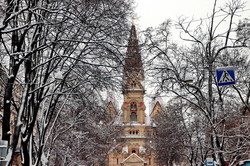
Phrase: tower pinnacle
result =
(133, 61)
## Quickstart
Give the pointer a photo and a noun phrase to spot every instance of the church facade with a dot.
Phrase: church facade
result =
(133, 148)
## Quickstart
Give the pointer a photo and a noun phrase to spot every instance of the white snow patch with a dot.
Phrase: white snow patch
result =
(125, 149)
(44, 159)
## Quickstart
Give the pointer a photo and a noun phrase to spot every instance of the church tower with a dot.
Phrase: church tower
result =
(133, 107)
(133, 147)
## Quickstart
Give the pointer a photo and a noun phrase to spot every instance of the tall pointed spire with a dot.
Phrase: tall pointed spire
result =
(133, 62)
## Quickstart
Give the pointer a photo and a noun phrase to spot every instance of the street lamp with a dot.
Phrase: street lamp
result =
(188, 78)
(58, 76)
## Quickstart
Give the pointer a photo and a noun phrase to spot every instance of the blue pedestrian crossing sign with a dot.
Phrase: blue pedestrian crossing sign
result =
(225, 76)
(209, 162)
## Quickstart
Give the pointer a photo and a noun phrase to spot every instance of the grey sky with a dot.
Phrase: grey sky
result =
(152, 12)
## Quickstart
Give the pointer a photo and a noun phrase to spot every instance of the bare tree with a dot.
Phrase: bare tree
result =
(189, 73)
(170, 134)
(81, 134)
(75, 41)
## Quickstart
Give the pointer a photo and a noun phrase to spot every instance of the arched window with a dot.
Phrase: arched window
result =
(133, 84)
(133, 117)
(133, 106)
(133, 151)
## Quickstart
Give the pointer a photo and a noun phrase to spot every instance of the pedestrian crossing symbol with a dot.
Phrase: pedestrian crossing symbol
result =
(225, 76)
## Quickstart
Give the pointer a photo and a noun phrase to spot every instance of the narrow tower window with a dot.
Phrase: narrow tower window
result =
(133, 84)
(133, 117)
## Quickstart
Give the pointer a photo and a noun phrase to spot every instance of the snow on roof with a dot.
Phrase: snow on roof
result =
(118, 121)
(136, 137)
(147, 122)
(133, 154)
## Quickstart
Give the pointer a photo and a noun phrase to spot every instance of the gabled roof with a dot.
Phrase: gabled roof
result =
(111, 105)
(154, 111)
(131, 158)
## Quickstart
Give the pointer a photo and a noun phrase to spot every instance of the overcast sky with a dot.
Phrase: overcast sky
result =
(153, 12)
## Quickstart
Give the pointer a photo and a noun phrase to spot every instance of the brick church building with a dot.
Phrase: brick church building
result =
(133, 148)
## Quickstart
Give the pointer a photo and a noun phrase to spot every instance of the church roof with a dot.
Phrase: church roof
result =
(140, 160)
(157, 101)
